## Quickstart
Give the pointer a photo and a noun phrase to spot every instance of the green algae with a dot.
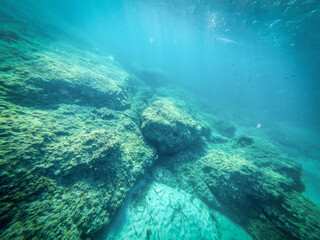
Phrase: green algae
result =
(170, 128)
(256, 186)
(66, 169)
(72, 146)
(83, 163)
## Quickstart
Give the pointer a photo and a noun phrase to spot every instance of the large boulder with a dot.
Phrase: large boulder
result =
(224, 128)
(251, 182)
(67, 171)
(169, 128)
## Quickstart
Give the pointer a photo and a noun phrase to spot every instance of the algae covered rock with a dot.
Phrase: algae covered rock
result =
(66, 171)
(224, 128)
(68, 153)
(169, 128)
(37, 69)
(251, 182)
(266, 156)
(151, 78)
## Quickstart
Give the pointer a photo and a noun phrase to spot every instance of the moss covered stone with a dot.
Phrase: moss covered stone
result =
(38, 69)
(66, 167)
(66, 171)
(250, 181)
(169, 128)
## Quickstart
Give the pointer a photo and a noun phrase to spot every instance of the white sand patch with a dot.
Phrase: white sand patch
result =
(161, 212)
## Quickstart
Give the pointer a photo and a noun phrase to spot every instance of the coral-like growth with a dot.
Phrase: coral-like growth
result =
(169, 128)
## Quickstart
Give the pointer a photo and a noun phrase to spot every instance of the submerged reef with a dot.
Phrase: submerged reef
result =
(71, 146)
(169, 128)
(78, 131)
(252, 183)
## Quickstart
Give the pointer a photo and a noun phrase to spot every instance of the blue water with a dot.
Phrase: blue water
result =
(79, 80)
(260, 57)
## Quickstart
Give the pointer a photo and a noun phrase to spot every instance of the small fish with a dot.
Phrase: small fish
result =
(148, 233)
(274, 23)
(226, 40)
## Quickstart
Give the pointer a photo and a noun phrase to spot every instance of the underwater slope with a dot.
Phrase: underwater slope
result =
(70, 144)
(78, 131)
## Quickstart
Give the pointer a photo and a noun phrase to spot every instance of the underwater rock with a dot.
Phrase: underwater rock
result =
(105, 113)
(151, 78)
(293, 218)
(224, 128)
(36, 71)
(169, 128)
(216, 138)
(261, 153)
(254, 184)
(72, 164)
(235, 181)
(67, 165)
(68, 159)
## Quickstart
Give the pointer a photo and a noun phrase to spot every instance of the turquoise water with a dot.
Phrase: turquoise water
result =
(259, 56)
(150, 119)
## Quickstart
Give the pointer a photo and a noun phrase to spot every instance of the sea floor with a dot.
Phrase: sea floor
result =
(156, 211)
